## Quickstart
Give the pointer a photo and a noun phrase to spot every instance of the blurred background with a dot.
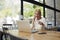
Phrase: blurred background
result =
(10, 11)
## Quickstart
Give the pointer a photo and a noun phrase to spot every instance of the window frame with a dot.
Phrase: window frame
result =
(44, 6)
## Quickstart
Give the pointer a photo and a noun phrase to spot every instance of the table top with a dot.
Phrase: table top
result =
(50, 35)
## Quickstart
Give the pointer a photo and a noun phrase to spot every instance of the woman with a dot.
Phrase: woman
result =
(39, 22)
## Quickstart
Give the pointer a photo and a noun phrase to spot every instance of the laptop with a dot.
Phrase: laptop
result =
(24, 26)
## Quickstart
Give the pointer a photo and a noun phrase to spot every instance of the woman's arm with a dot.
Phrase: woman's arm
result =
(33, 23)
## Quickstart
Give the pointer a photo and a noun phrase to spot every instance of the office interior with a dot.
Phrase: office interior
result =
(12, 11)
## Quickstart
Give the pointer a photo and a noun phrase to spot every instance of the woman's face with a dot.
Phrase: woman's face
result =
(37, 13)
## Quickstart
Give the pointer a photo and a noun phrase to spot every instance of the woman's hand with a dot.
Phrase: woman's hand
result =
(41, 23)
(32, 28)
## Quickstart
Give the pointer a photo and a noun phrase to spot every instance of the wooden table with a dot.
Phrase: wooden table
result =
(51, 35)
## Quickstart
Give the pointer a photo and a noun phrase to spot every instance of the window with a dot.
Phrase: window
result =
(58, 4)
(49, 5)
(58, 19)
(9, 8)
(29, 8)
(50, 16)
(9, 11)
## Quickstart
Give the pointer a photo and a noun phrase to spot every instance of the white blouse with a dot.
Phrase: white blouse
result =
(37, 25)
